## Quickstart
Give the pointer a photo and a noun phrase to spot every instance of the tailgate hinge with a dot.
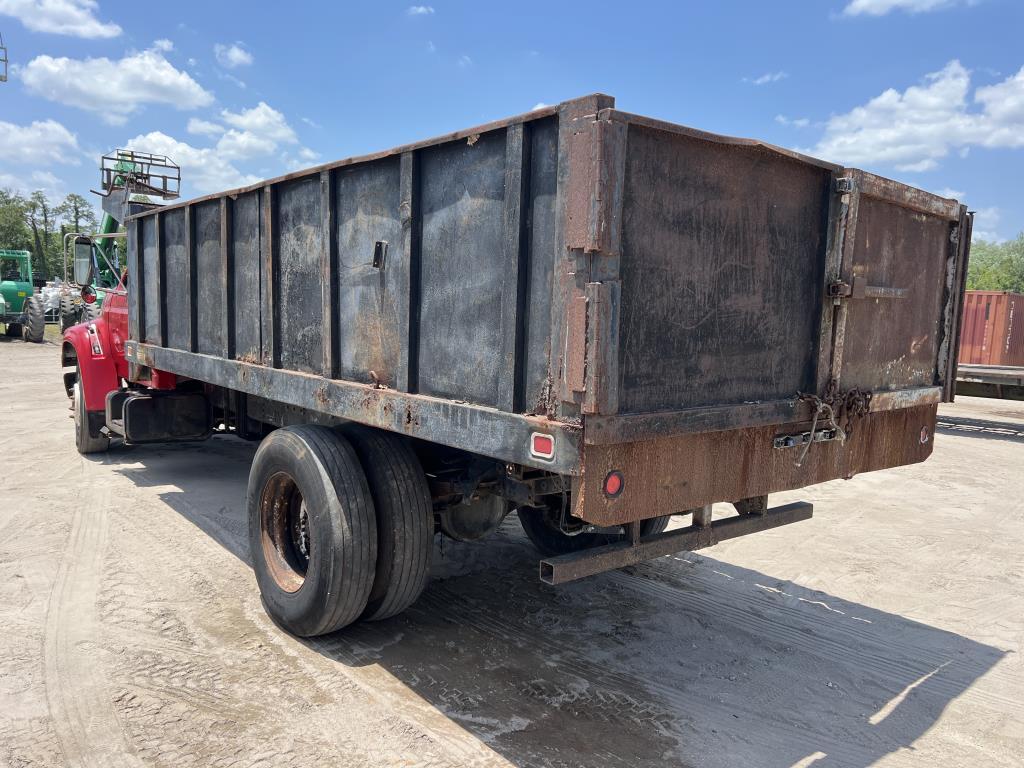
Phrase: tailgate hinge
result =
(860, 289)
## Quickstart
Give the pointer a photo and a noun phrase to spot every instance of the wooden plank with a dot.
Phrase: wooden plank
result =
(512, 298)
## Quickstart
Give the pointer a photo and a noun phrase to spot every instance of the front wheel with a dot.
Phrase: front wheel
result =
(542, 527)
(84, 441)
(312, 530)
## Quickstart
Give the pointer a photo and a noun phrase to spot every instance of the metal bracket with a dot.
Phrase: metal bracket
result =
(845, 185)
(802, 438)
(861, 290)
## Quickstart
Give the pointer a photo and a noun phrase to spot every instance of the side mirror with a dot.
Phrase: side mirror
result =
(83, 261)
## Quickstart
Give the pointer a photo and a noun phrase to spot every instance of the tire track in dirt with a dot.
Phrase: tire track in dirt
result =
(79, 702)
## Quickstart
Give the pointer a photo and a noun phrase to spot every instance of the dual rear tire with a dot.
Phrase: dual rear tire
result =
(340, 526)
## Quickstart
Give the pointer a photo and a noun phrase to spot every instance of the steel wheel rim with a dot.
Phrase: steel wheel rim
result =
(284, 532)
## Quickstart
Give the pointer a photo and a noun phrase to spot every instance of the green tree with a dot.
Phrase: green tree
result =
(14, 234)
(997, 266)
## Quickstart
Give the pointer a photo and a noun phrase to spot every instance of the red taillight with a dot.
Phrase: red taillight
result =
(613, 484)
(89, 298)
(542, 446)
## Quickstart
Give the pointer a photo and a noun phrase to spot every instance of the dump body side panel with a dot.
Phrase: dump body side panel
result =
(722, 273)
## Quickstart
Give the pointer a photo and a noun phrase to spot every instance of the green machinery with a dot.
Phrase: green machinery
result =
(21, 311)
(128, 179)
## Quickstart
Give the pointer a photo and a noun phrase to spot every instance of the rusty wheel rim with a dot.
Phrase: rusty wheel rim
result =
(284, 532)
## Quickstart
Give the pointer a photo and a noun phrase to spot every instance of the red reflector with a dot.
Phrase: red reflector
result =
(542, 446)
(89, 298)
(613, 484)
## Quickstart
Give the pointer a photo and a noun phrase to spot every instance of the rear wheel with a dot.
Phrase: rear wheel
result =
(35, 320)
(312, 530)
(544, 528)
(84, 441)
(405, 520)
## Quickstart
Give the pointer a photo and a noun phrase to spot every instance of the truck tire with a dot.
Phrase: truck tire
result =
(90, 312)
(405, 520)
(35, 320)
(550, 541)
(69, 313)
(84, 441)
(312, 530)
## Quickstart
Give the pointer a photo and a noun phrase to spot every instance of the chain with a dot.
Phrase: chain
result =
(839, 410)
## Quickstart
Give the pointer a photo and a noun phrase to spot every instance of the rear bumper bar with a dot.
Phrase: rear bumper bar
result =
(578, 565)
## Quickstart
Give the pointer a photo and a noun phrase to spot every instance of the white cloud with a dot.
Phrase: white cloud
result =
(420, 10)
(232, 56)
(241, 145)
(953, 194)
(882, 7)
(767, 77)
(204, 127)
(912, 131)
(25, 184)
(465, 61)
(261, 120)
(163, 44)
(539, 105)
(75, 18)
(795, 122)
(114, 89)
(310, 122)
(206, 170)
(431, 48)
(42, 142)
(985, 222)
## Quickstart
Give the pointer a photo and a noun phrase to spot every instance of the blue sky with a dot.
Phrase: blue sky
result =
(927, 91)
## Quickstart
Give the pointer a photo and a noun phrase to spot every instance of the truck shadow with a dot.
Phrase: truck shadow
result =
(687, 660)
(983, 428)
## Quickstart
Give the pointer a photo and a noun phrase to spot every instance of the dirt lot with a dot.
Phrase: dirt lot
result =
(885, 631)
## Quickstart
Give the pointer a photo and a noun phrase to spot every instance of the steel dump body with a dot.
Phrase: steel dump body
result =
(654, 297)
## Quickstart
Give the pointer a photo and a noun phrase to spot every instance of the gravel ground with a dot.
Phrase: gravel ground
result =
(885, 631)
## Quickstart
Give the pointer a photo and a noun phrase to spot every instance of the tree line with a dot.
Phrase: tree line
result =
(997, 266)
(37, 224)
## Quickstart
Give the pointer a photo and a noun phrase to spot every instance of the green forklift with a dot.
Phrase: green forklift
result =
(129, 179)
(21, 311)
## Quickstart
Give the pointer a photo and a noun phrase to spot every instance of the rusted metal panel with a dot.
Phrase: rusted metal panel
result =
(575, 352)
(680, 472)
(208, 281)
(246, 277)
(225, 281)
(602, 364)
(892, 343)
(517, 146)
(993, 328)
(722, 273)
(176, 278)
(462, 268)
(954, 307)
(483, 430)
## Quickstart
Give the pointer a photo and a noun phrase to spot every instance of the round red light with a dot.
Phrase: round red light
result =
(613, 484)
(89, 298)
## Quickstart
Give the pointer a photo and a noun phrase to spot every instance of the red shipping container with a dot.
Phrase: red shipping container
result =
(993, 328)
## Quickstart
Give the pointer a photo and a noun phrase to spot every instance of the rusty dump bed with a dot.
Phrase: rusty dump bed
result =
(682, 307)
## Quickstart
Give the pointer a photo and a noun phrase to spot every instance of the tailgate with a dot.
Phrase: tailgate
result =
(901, 265)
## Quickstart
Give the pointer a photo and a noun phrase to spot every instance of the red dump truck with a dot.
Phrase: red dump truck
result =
(591, 318)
